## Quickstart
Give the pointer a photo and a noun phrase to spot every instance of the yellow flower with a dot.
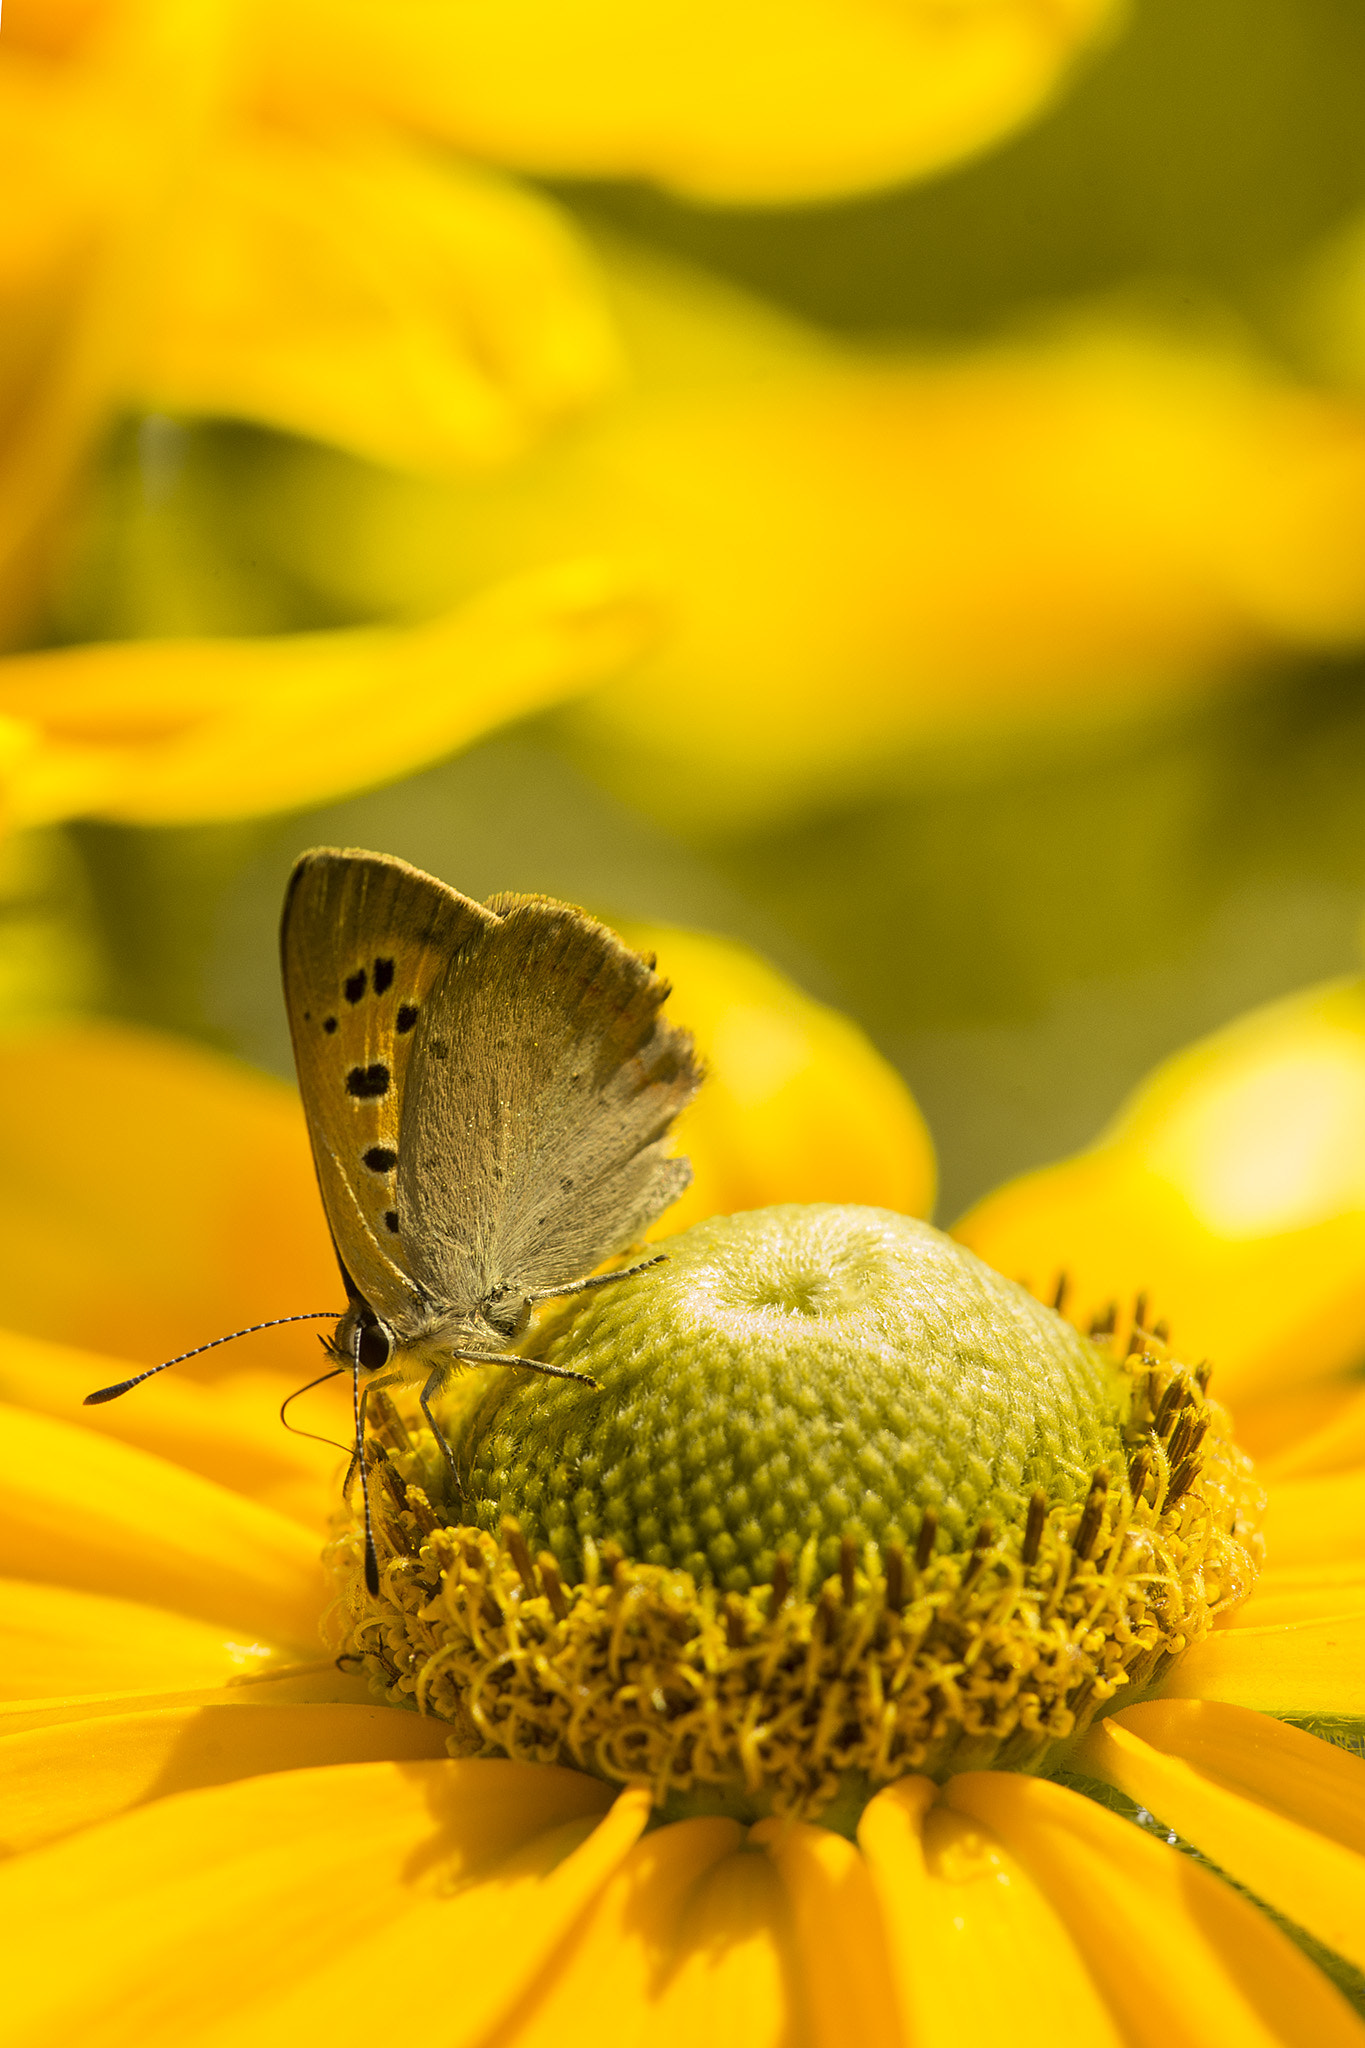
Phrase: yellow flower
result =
(223, 209)
(219, 1836)
(861, 556)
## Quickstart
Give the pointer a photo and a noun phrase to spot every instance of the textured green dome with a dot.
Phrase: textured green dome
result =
(796, 1373)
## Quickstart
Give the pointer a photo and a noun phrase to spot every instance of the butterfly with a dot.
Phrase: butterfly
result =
(488, 1089)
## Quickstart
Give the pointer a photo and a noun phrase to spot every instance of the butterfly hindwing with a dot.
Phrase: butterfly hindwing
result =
(543, 1080)
(364, 941)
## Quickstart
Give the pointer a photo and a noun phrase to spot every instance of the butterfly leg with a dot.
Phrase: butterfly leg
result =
(597, 1280)
(433, 1382)
(553, 1372)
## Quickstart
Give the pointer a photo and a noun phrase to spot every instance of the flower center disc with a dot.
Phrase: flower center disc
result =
(845, 1504)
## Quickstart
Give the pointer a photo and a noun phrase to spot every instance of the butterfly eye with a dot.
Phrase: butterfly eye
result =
(376, 1347)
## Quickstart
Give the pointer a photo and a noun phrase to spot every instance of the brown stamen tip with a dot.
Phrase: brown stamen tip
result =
(552, 1584)
(1139, 1472)
(924, 1542)
(848, 1560)
(490, 1610)
(1034, 1526)
(1167, 1406)
(1181, 1480)
(1092, 1514)
(894, 1559)
(386, 1422)
(825, 1623)
(735, 1633)
(1203, 1373)
(982, 1545)
(1162, 1331)
(516, 1547)
(1061, 1290)
(782, 1580)
(1140, 1310)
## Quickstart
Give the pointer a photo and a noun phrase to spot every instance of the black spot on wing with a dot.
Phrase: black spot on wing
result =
(391, 1221)
(407, 1016)
(354, 985)
(329, 1023)
(383, 976)
(367, 1081)
(380, 1159)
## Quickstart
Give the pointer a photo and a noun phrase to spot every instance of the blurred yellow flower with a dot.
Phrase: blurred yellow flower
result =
(748, 102)
(863, 554)
(247, 1840)
(1230, 1189)
(169, 731)
(221, 207)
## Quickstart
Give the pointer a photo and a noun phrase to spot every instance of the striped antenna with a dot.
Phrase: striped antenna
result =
(312, 1315)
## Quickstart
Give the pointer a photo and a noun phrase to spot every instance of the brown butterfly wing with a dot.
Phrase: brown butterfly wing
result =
(542, 1084)
(364, 941)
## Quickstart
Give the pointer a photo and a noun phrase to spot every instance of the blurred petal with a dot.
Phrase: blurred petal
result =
(159, 732)
(154, 1195)
(415, 312)
(78, 1510)
(980, 1957)
(863, 556)
(1181, 1960)
(1281, 1812)
(1230, 1189)
(231, 1434)
(798, 1105)
(1305, 1592)
(57, 1779)
(235, 1910)
(731, 1980)
(1302, 1667)
(1337, 1445)
(57, 1640)
(740, 102)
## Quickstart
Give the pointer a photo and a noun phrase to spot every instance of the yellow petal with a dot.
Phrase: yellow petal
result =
(1337, 1445)
(154, 1195)
(412, 310)
(56, 1640)
(635, 1933)
(979, 1955)
(164, 732)
(1231, 1189)
(307, 1684)
(740, 102)
(230, 1433)
(1307, 1592)
(1278, 1810)
(845, 1968)
(205, 1915)
(1312, 1521)
(798, 1105)
(56, 1779)
(731, 1981)
(79, 1510)
(1181, 1960)
(1305, 1667)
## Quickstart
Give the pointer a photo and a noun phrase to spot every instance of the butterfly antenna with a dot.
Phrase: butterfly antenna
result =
(289, 1400)
(371, 1558)
(312, 1315)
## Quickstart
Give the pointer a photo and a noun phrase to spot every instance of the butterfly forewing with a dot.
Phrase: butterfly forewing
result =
(364, 941)
(542, 1084)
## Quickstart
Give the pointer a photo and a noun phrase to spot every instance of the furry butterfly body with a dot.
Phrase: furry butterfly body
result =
(488, 1090)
